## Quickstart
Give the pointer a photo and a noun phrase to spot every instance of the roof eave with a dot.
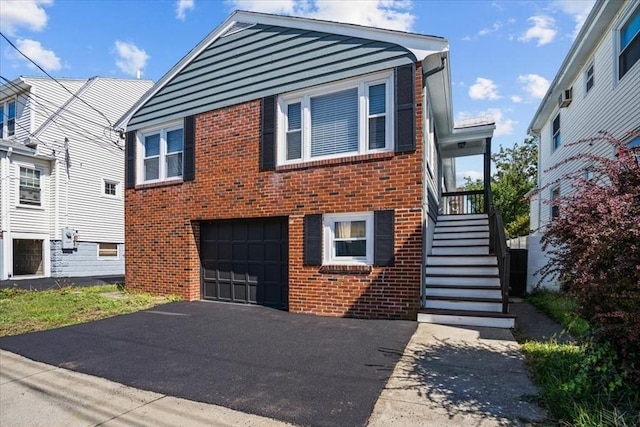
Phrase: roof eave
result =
(421, 46)
(590, 34)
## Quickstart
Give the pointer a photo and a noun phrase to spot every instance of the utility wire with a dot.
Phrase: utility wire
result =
(55, 80)
(83, 133)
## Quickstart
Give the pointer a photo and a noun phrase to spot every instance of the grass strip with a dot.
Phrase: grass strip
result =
(23, 311)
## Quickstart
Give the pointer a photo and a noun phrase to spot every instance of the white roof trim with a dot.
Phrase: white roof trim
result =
(419, 45)
(581, 51)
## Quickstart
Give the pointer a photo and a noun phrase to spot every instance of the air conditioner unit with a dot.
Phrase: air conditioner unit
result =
(565, 98)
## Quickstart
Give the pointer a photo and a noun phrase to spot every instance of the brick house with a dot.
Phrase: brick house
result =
(294, 163)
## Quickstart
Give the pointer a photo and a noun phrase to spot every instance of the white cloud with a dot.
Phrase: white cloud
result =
(484, 89)
(578, 10)
(516, 99)
(543, 29)
(536, 86)
(495, 27)
(16, 14)
(182, 6)
(504, 126)
(131, 58)
(460, 176)
(391, 14)
(45, 58)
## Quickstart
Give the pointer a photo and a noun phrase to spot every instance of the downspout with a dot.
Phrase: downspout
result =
(5, 184)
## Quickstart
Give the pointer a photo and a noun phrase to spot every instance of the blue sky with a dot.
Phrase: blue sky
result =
(503, 53)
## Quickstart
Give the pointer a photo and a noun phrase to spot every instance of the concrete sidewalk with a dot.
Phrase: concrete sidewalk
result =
(36, 394)
(448, 376)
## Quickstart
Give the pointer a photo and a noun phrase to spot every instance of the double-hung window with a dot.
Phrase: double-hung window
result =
(555, 132)
(589, 78)
(30, 191)
(7, 119)
(629, 43)
(337, 120)
(162, 154)
(348, 238)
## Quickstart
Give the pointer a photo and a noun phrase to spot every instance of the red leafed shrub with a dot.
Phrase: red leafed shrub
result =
(594, 246)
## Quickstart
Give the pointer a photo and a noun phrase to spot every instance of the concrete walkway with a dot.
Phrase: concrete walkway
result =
(447, 376)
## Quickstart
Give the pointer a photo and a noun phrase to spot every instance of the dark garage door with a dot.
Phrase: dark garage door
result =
(245, 261)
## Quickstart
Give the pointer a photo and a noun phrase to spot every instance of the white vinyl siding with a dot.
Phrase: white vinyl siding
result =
(612, 106)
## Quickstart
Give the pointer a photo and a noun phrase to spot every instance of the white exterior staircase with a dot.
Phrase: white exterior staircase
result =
(462, 278)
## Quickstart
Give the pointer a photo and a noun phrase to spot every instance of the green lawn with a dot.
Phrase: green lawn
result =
(24, 311)
(578, 386)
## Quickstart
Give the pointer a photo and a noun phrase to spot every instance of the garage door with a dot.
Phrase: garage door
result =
(245, 261)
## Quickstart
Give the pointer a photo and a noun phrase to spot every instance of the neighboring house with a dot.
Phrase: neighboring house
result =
(596, 89)
(294, 163)
(62, 180)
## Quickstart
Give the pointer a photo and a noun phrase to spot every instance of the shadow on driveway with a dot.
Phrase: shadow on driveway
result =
(308, 370)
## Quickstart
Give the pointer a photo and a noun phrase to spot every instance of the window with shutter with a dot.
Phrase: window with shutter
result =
(341, 119)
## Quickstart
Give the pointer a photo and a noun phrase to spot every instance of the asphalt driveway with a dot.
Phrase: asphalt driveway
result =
(307, 370)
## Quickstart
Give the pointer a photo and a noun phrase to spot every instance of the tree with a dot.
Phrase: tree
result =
(594, 248)
(516, 174)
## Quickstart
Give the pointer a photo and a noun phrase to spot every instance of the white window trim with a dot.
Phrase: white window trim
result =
(616, 43)
(105, 181)
(43, 201)
(304, 97)
(553, 134)
(46, 253)
(328, 222)
(5, 111)
(551, 204)
(114, 258)
(586, 77)
(162, 129)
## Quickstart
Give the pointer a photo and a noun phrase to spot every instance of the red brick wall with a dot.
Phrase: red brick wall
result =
(162, 220)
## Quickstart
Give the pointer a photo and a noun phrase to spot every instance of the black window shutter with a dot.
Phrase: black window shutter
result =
(405, 108)
(130, 167)
(383, 238)
(268, 129)
(313, 239)
(189, 171)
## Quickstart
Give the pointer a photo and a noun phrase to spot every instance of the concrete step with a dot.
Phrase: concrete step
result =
(463, 291)
(463, 270)
(462, 236)
(468, 318)
(456, 260)
(461, 242)
(456, 280)
(460, 250)
(464, 304)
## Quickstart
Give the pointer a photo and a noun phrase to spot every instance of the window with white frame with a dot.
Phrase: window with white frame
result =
(7, 119)
(348, 238)
(336, 120)
(629, 43)
(162, 154)
(30, 191)
(110, 188)
(589, 78)
(555, 132)
(107, 250)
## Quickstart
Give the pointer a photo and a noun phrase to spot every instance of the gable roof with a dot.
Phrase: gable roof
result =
(389, 45)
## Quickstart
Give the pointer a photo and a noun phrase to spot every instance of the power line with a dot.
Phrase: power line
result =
(83, 132)
(55, 80)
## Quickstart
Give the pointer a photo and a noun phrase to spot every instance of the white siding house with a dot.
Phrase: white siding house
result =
(61, 176)
(596, 89)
